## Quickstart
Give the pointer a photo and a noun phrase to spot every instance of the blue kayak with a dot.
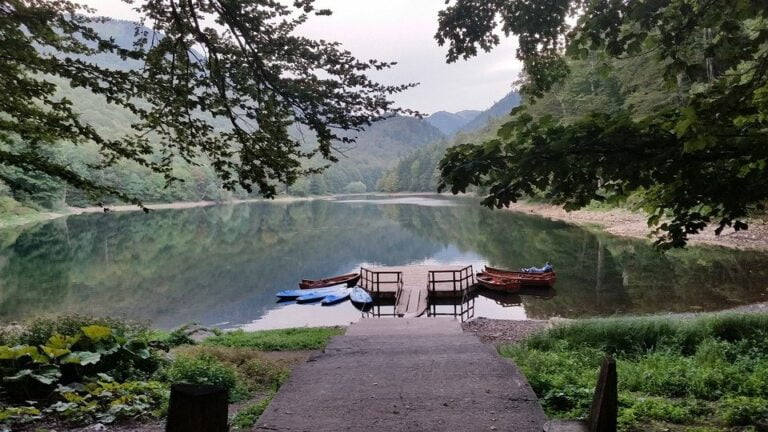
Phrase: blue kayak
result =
(291, 294)
(336, 298)
(318, 295)
(360, 296)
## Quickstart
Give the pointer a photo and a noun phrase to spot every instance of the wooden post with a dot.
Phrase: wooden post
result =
(197, 408)
(605, 403)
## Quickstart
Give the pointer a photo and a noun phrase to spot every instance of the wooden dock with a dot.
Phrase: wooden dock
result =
(412, 287)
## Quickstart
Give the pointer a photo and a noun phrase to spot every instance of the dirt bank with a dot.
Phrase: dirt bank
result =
(628, 224)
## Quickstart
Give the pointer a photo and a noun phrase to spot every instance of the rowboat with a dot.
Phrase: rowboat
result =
(349, 279)
(498, 282)
(336, 298)
(292, 294)
(360, 296)
(315, 295)
(546, 279)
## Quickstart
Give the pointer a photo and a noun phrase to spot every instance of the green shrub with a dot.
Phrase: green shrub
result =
(39, 331)
(106, 401)
(705, 371)
(206, 369)
(179, 337)
(742, 410)
(33, 371)
(248, 416)
(660, 409)
(277, 340)
(637, 336)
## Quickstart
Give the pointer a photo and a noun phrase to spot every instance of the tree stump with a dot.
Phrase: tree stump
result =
(197, 408)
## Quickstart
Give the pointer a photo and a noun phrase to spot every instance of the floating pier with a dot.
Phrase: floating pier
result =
(410, 289)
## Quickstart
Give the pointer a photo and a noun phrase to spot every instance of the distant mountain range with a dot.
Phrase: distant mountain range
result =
(471, 120)
(377, 150)
(450, 123)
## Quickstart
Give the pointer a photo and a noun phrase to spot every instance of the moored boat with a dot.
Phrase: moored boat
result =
(498, 282)
(337, 297)
(316, 295)
(349, 279)
(360, 296)
(546, 279)
(292, 294)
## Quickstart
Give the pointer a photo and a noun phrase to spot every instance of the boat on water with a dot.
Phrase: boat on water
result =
(360, 296)
(336, 297)
(315, 295)
(349, 279)
(292, 294)
(498, 282)
(544, 279)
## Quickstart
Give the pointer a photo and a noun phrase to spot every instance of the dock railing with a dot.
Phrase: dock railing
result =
(451, 281)
(374, 281)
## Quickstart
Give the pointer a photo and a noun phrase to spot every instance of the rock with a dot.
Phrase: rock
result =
(196, 332)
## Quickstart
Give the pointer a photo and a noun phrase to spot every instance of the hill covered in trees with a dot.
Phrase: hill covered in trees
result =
(594, 85)
(360, 166)
(417, 172)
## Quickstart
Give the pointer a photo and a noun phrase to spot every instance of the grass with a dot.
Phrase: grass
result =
(247, 417)
(250, 365)
(708, 373)
(294, 339)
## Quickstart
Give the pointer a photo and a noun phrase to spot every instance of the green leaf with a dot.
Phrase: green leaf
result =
(29, 351)
(47, 375)
(61, 341)
(7, 353)
(19, 376)
(81, 358)
(54, 352)
(96, 332)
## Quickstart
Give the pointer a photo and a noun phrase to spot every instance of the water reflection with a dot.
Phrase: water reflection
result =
(223, 264)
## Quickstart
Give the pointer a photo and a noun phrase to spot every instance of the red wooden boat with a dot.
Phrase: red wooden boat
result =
(497, 282)
(547, 279)
(349, 279)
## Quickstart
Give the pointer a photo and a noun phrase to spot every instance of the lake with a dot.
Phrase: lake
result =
(221, 266)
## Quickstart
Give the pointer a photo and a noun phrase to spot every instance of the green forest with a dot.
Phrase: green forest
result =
(595, 84)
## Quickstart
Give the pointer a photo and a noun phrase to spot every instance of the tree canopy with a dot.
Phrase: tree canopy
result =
(698, 157)
(230, 82)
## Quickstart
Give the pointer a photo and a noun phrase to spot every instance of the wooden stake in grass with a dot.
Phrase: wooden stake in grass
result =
(197, 408)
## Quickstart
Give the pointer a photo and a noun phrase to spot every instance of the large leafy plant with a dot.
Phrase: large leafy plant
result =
(32, 372)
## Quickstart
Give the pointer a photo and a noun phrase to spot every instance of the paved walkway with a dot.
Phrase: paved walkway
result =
(420, 374)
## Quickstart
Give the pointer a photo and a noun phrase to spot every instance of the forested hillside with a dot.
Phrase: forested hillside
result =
(363, 163)
(594, 85)
(360, 166)
(417, 172)
(450, 123)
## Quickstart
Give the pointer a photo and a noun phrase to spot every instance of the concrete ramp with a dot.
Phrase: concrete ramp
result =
(408, 375)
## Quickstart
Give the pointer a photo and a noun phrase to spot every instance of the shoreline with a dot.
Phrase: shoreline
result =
(28, 219)
(624, 223)
(617, 222)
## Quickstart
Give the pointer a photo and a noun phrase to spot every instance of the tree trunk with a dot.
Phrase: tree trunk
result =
(197, 408)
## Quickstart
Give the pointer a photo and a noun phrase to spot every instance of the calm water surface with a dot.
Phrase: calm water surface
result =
(222, 265)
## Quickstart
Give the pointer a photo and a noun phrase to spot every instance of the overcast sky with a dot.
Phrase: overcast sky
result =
(402, 31)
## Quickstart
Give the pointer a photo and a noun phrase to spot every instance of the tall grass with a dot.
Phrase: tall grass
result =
(673, 374)
(637, 336)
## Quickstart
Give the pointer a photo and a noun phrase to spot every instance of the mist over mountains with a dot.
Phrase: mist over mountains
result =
(362, 165)
(471, 120)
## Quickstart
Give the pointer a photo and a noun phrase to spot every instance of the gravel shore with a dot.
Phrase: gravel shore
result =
(496, 331)
(629, 224)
